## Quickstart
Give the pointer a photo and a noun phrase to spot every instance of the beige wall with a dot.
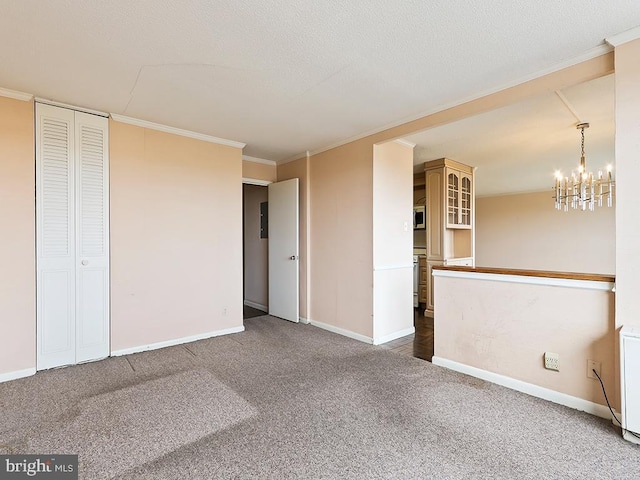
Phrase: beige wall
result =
(392, 240)
(164, 187)
(256, 249)
(299, 169)
(627, 170)
(526, 231)
(258, 171)
(505, 328)
(341, 199)
(341, 227)
(17, 242)
(176, 237)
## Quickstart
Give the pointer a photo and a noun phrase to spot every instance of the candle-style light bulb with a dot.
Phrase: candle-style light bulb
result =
(558, 177)
(610, 196)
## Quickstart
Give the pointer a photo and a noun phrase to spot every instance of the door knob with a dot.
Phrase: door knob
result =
(85, 262)
(293, 257)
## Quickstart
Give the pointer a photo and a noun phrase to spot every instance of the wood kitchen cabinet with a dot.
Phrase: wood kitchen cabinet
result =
(429, 302)
(449, 191)
(422, 280)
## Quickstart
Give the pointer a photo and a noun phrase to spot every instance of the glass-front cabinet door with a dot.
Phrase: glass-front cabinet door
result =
(465, 200)
(459, 199)
(453, 198)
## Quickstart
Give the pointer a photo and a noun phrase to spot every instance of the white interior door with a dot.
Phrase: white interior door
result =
(92, 241)
(284, 297)
(55, 236)
(71, 236)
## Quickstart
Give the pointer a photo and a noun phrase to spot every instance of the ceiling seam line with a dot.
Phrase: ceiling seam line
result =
(566, 103)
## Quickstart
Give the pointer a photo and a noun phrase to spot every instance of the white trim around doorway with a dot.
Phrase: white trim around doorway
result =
(255, 181)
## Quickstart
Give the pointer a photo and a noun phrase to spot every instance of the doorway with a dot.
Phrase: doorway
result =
(271, 262)
(255, 250)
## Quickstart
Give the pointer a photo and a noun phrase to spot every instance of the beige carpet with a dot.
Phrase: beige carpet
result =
(282, 400)
(118, 430)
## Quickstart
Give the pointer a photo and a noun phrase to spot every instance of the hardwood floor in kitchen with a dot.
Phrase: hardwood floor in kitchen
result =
(420, 344)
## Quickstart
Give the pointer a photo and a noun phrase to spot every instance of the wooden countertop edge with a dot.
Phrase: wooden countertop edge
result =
(593, 277)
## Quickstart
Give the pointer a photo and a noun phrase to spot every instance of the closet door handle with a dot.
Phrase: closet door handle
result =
(85, 262)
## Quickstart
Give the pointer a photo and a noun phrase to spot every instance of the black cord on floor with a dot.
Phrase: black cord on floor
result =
(609, 405)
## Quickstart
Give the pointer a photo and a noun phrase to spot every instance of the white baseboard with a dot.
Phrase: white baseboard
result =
(528, 388)
(306, 321)
(259, 306)
(176, 341)
(342, 331)
(7, 377)
(394, 335)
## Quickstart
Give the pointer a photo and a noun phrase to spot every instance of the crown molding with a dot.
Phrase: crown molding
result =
(46, 101)
(25, 97)
(583, 57)
(258, 160)
(403, 142)
(176, 131)
(623, 37)
(303, 156)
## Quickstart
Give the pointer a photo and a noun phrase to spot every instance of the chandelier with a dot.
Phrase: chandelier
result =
(582, 189)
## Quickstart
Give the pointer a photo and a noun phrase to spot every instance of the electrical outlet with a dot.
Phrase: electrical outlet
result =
(552, 361)
(591, 366)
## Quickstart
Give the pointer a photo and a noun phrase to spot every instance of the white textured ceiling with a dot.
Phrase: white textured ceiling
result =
(518, 148)
(285, 77)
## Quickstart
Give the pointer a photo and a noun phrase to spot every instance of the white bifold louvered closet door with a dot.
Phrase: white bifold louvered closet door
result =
(72, 232)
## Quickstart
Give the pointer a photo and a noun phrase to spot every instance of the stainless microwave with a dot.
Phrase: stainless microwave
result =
(419, 218)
